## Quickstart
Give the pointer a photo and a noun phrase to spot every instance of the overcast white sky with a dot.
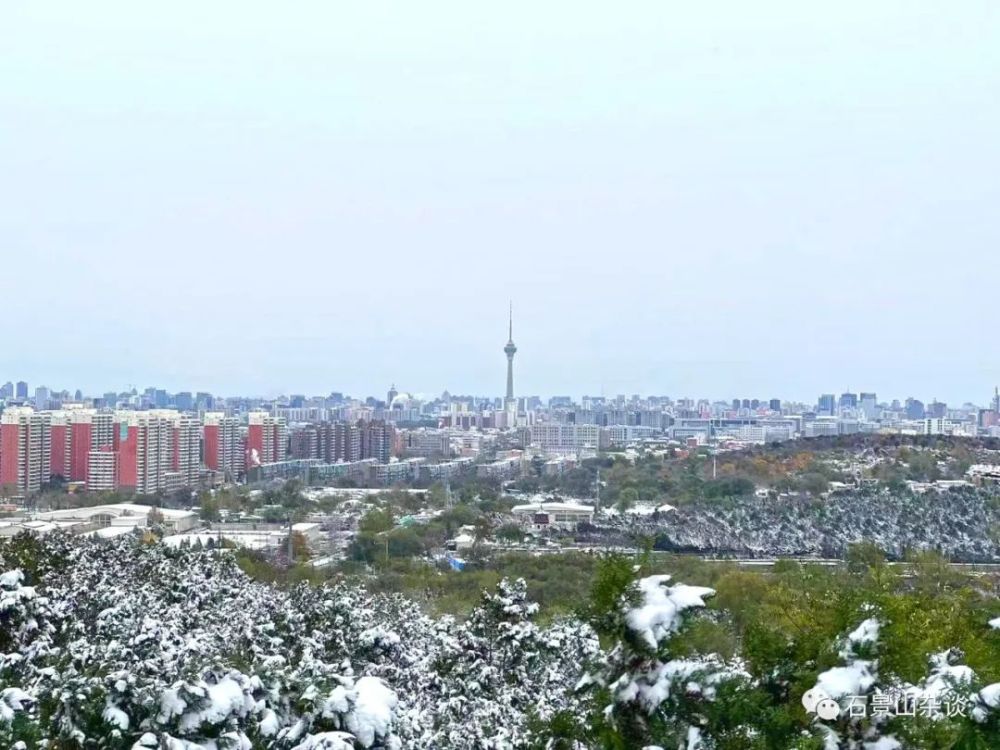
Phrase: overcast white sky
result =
(712, 199)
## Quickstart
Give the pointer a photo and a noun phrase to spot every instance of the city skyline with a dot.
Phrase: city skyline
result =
(23, 389)
(163, 442)
(678, 199)
(679, 378)
(30, 395)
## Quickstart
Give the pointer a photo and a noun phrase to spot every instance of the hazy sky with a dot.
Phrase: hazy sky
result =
(709, 199)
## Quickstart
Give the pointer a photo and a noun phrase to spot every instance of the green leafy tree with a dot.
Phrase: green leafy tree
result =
(627, 498)
(209, 510)
(377, 521)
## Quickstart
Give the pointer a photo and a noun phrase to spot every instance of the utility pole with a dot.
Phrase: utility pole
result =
(597, 491)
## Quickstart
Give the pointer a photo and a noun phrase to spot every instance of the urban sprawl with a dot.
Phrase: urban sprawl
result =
(153, 441)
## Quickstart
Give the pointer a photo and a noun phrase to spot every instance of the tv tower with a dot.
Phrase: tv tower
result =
(510, 350)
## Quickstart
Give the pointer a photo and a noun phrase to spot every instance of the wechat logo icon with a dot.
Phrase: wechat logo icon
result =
(816, 701)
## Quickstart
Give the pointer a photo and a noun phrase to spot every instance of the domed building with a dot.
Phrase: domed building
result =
(401, 401)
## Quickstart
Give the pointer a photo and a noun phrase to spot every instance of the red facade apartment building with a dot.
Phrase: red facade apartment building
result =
(267, 441)
(25, 451)
(157, 450)
(138, 451)
(222, 444)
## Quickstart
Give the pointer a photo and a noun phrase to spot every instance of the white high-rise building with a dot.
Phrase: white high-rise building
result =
(25, 451)
(565, 438)
(102, 469)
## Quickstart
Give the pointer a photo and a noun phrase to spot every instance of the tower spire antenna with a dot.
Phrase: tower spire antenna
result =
(510, 349)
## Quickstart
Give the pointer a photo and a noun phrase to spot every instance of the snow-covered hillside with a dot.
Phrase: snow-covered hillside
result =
(119, 644)
(956, 522)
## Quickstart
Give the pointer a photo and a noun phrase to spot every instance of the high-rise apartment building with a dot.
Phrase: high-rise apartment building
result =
(59, 450)
(223, 445)
(141, 451)
(346, 444)
(25, 450)
(424, 442)
(154, 450)
(303, 441)
(376, 440)
(73, 434)
(354, 441)
(267, 439)
(90, 430)
(186, 460)
(102, 469)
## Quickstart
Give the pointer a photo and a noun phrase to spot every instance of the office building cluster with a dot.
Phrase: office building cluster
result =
(863, 412)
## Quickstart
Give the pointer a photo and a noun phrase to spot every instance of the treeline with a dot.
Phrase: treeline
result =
(719, 661)
(809, 465)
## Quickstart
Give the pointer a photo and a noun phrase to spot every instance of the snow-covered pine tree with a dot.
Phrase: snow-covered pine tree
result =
(642, 695)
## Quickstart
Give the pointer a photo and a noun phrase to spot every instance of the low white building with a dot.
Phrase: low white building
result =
(123, 514)
(126, 516)
(460, 543)
(555, 438)
(984, 473)
(11, 527)
(553, 514)
(935, 426)
(503, 468)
